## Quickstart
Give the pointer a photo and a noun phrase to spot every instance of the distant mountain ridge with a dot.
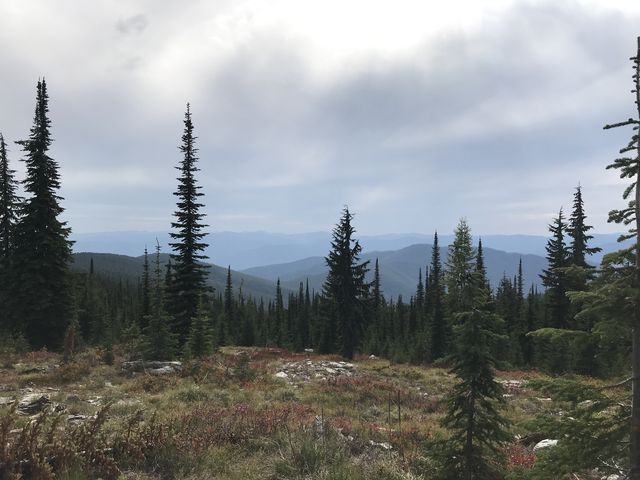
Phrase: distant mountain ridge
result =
(244, 250)
(130, 269)
(399, 269)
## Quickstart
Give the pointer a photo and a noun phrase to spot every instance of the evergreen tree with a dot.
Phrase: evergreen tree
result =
(579, 271)
(478, 430)
(201, 340)
(629, 167)
(506, 306)
(578, 231)
(460, 270)
(376, 335)
(160, 342)
(554, 278)
(145, 309)
(440, 330)
(279, 332)
(481, 272)
(531, 324)
(41, 294)
(189, 279)
(227, 333)
(9, 204)
(345, 289)
(302, 324)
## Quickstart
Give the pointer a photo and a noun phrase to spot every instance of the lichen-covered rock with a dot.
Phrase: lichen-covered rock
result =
(308, 370)
(547, 443)
(34, 403)
(152, 367)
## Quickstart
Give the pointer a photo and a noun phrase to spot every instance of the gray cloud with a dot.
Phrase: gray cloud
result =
(135, 24)
(497, 123)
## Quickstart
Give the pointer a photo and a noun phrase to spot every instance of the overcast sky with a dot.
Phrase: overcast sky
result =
(414, 113)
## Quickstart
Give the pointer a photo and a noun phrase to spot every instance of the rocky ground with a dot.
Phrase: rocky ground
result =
(251, 413)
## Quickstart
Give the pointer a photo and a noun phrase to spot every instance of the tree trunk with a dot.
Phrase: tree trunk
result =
(635, 409)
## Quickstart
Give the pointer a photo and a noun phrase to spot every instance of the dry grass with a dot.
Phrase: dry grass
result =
(229, 418)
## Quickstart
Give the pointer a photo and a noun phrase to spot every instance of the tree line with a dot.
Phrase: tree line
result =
(173, 311)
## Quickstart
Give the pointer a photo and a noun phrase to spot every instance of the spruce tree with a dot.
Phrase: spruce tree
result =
(189, 279)
(629, 167)
(554, 277)
(473, 451)
(9, 204)
(41, 293)
(439, 327)
(460, 270)
(201, 339)
(481, 271)
(345, 290)
(227, 333)
(145, 307)
(160, 341)
(578, 230)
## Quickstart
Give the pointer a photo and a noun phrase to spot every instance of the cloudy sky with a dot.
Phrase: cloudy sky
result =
(414, 113)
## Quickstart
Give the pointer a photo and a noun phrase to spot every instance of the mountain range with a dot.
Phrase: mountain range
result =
(243, 250)
(399, 269)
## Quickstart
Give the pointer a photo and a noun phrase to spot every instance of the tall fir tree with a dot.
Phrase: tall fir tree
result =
(439, 326)
(580, 272)
(478, 429)
(481, 272)
(9, 205)
(145, 307)
(41, 294)
(578, 230)
(227, 327)
(189, 278)
(160, 341)
(554, 277)
(345, 289)
(460, 270)
(201, 339)
(629, 167)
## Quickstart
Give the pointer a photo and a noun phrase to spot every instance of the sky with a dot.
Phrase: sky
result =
(413, 113)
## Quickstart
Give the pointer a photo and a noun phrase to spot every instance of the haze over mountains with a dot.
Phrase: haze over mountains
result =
(243, 250)
(258, 259)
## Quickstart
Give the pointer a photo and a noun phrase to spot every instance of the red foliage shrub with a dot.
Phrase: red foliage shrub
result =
(203, 427)
(519, 456)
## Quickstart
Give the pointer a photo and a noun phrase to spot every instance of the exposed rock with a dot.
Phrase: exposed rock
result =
(547, 443)
(153, 367)
(512, 386)
(166, 370)
(33, 403)
(77, 418)
(6, 401)
(381, 445)
(29, 369)
(308, 370)
(532, 439)
(586, 404)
